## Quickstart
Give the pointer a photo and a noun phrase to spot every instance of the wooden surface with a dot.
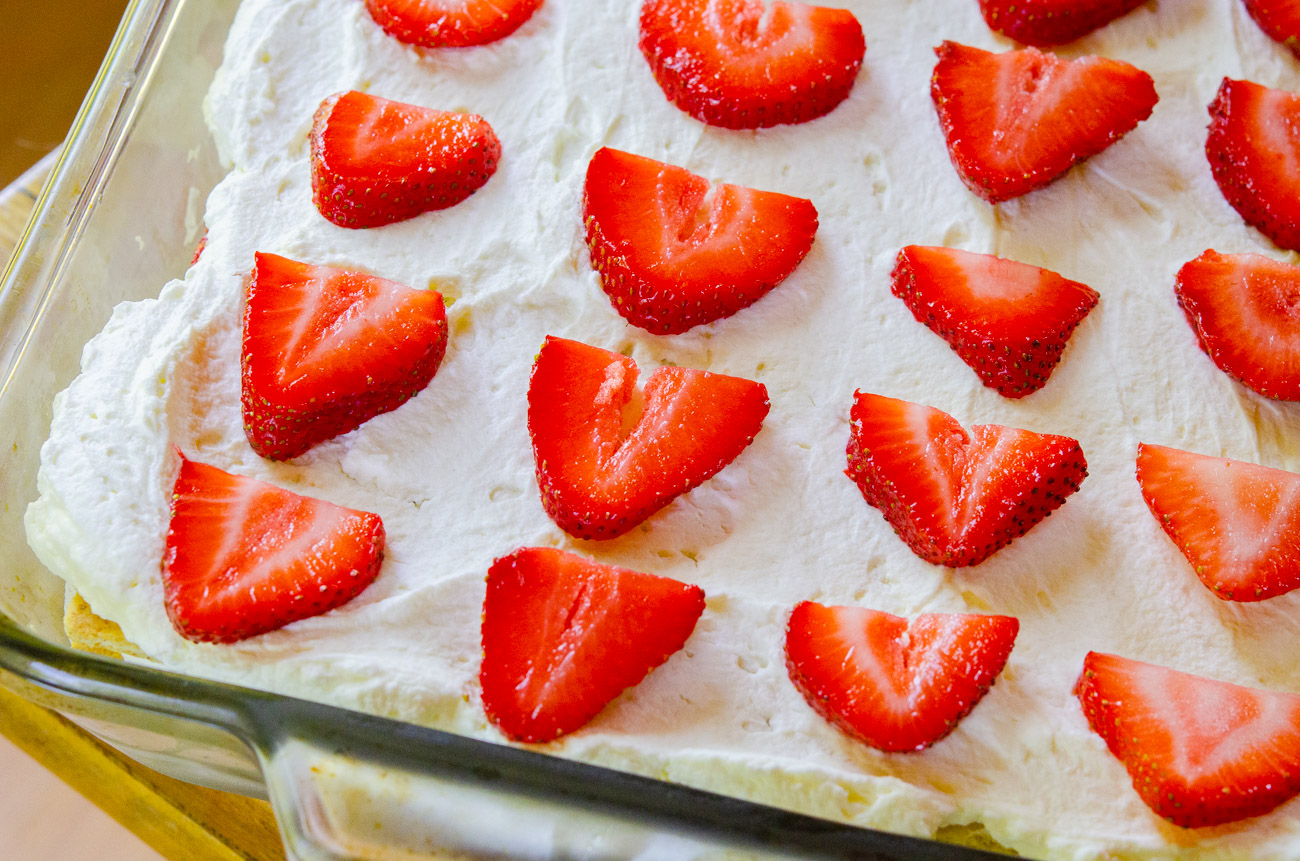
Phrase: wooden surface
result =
(51, 50)
(181, 821)
(34, 822)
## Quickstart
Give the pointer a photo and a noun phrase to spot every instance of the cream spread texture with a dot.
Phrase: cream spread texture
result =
(451, 471)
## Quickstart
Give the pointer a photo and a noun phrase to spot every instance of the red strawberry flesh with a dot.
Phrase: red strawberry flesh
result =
(955, 497)
(1009, 321)
(1245, 311)
(746, 64)
(1200, 752)
(599, 480)
(326, 350)
(198, 249)
(563, 636)
(1280, 19)
(450, 23)
(1016, 121)
(669, 259)
(1052, 22)
(244, 557)
(893, 685)
(375, 161)
(1254, 152)
(1237, 523)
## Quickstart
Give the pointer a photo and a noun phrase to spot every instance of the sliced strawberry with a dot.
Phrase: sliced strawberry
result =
(1280, 19)
(1245, 310)
(1052, 22)
(1254, 153)
(956, 498)
(894, 685)
(244, 557)
(1009, 321)
(450, 23)
(562, 636)
(603, 471)
(327, 349)
(1016, 121)
(668, 259)
(1200, 751)
(1237, 523)
(375, 161)
(747, 64)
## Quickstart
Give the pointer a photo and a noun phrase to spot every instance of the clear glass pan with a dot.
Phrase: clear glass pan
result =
(118, 218)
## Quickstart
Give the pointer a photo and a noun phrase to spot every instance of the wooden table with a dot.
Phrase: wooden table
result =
(181, 821)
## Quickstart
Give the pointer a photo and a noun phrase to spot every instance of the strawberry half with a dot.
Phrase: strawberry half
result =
(1237, 523)
(1280, 19)
(1200, 751)
(450, 23)
(375, 161)
(1051, 22)
(1016, 121)
(1245, 310)
(1009, 321)
(244, 557)
(747, 64)
(602, 471)
(327, 349)
(894, 685)
(956, 498)
(669, 259)
(1254, 153)
(562, 636)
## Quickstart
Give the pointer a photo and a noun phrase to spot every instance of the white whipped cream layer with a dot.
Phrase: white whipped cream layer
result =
(451, 471)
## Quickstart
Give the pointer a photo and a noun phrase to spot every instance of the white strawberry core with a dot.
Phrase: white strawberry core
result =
(1253, 515)
(1280, 136)
(1212, 726)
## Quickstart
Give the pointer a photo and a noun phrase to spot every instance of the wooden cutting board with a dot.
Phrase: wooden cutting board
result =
(181, 821)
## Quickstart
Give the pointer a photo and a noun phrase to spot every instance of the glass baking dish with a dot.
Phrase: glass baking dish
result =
(118, 218)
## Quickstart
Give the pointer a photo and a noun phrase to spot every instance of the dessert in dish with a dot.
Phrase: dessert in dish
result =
(452, 470)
